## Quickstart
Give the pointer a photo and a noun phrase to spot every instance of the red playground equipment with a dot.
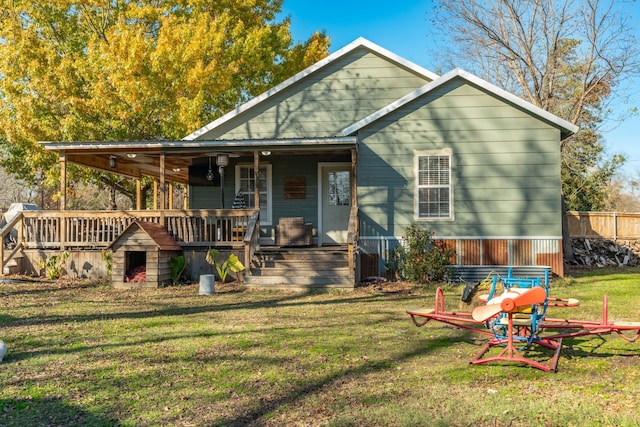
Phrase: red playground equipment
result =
(516, 320)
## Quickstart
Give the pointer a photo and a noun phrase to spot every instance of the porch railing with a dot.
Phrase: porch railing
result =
(98, 229)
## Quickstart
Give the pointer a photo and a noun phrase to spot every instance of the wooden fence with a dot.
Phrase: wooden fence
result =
(604, 225)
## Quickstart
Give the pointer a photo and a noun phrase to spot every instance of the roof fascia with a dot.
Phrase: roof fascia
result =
(179, 145)
(359, 42)
(567, 128)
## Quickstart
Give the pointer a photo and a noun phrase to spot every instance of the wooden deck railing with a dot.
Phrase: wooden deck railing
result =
(98, 229)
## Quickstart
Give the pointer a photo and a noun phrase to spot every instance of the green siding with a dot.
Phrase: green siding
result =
(505, 166)
(325, 102)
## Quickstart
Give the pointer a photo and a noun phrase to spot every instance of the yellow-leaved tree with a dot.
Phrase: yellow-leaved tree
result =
(132, 70)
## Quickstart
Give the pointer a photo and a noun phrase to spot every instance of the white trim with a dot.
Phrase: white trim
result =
(459, 73)
(359, 42)
(321, 167)
(188, 146)
(269, 210)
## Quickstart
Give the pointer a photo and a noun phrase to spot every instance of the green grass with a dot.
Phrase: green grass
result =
(89, 355)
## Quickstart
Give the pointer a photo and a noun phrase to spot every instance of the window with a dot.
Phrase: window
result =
(245, 185)
(339, 188)
(433, 185)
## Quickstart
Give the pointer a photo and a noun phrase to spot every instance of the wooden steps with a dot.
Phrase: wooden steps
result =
(300, 268)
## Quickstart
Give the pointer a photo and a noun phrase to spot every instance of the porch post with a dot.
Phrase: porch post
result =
(170, 195)
(354, 181)
(163, 190)
(63, 181)
(63, 198)
(185, 202)
(138, 194)
(163, 199)
(155, 194)
(256, 179)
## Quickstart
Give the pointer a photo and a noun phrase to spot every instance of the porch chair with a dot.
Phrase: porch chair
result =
(294, 232)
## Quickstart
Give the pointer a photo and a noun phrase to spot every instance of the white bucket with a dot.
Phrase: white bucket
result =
(207, 284)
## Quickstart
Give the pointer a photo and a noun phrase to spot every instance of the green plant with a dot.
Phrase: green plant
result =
(177, 264)
(421, 259)
(107, 256)
(231, 263)
(54, 265)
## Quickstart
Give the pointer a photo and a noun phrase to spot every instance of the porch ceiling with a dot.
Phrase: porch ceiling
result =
(135, 159)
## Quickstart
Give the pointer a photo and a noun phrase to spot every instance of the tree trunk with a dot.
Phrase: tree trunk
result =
(112, 199)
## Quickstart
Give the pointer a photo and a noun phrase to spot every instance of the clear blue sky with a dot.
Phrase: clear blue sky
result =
(401, 26)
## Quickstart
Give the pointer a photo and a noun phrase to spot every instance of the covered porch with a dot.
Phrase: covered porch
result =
(212, 174)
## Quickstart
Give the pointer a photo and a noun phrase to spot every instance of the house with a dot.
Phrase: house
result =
(361, 145)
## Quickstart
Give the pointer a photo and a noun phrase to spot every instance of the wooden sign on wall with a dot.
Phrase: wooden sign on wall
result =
(295, 188)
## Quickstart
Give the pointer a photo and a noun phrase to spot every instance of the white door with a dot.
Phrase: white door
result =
(336, 202)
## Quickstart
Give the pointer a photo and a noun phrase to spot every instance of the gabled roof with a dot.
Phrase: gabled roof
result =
(567, 128)
(156, 232)
(357, 44)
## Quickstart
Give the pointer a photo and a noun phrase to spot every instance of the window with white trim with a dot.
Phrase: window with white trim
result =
(433, 186)
(245, 185)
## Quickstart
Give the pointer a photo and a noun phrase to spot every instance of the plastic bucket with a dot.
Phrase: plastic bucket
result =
(207, 284)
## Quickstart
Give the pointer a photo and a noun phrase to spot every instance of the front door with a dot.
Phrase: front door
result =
(335, 202)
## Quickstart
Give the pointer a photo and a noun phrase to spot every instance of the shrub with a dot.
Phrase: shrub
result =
(177, 264)
(54, 265)
(420, 259)
(231, 263)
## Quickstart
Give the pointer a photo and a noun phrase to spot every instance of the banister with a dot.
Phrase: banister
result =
(251, 238)
(352, 238)
(3, 233)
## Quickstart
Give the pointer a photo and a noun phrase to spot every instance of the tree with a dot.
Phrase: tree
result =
(132, 70)
(568, 57)
(622, 196)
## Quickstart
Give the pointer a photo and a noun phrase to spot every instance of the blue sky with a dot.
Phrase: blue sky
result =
(401, 26)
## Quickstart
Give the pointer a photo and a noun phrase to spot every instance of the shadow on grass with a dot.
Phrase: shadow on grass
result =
(279, 301)
(254, 416)
(597, 346)
(48, 412)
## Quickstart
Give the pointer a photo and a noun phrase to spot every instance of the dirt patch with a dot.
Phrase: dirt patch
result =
(384, 286)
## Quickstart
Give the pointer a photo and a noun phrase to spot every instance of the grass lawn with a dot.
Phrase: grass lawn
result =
(89, 355)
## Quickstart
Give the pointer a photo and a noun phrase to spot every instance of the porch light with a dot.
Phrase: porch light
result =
(131, 155)
(112, 161)
(222, 160)
(266, 153)
(176, 169)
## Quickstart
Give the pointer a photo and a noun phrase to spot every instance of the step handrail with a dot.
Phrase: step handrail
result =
(3, 233)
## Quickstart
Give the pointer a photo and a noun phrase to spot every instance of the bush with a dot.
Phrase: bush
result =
(420, 259)
(54, 266)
